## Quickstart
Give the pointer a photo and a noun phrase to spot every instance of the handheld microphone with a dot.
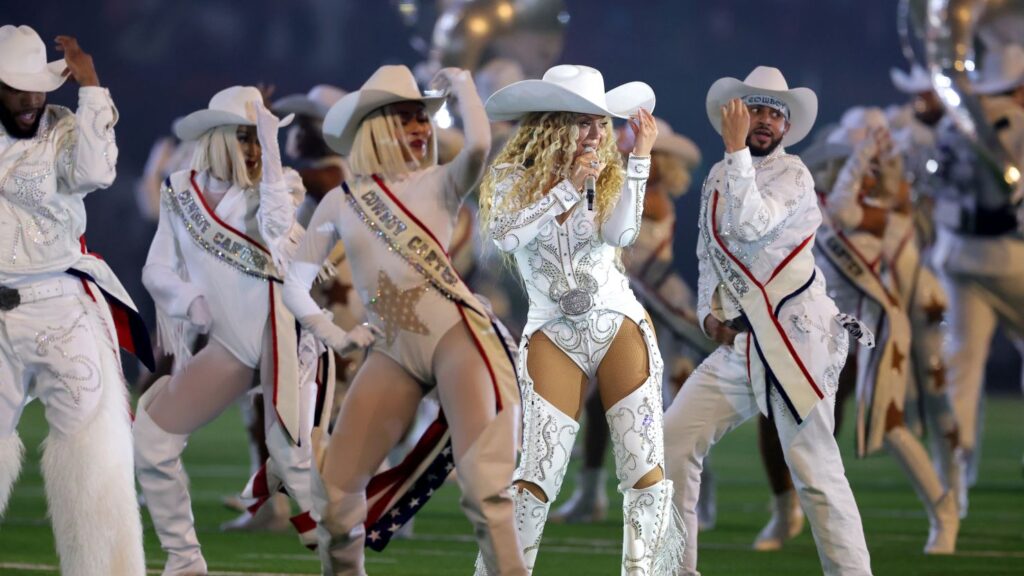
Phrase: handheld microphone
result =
(589, 184)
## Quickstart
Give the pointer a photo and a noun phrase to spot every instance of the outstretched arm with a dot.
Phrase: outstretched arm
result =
(467, 167)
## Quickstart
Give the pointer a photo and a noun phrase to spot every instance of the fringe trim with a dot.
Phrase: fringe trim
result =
(668, 558)
(12, 452)
(175, 337)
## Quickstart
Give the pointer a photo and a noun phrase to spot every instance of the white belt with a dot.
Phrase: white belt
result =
(44, 290)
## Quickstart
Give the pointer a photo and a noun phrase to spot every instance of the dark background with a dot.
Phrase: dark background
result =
(162, 59)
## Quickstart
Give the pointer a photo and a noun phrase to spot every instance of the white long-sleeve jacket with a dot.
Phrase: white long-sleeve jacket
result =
(44, 181)
(572, 266)
(767, 207)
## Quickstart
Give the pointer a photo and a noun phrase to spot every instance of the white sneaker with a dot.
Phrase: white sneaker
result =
(273, 516)
(588, 502)
(787, 522)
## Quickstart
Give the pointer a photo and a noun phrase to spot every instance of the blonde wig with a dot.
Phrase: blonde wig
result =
(543, 147)
(379, 146)
(219, 152)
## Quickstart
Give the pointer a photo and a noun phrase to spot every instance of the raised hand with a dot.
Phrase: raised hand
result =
(735, 125)
(446, 79)
(645, 132)
(267, 126)
(79, 63)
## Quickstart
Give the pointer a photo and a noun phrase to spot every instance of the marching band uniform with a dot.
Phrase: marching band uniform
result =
(979, 250)
(867, 275)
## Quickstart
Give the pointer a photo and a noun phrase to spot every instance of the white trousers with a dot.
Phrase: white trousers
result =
(63, 351)
(717, 398)
(977, 305)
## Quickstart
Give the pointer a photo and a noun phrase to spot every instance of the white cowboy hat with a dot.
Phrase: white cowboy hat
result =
(916, 81)
(569, 88)
(767, 81)
(23, 61)
(856, 123)
(315, 103)
(388, 85)
(227, 108)
(670, 142)
(1002, 69)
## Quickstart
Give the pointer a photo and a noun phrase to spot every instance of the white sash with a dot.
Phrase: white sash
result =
(248, 256)
(776, 358)
(882, 370)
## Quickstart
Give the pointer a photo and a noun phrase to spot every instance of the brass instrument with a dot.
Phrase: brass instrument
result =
(955, 34)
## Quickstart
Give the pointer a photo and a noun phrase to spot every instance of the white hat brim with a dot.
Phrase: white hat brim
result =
(342, 121)
(45, 81)
(679, 146)
(196, 124)
(802, 102)
(819, 154)
(909, 83)
(996, 86)
(300, 104)
(516, 100)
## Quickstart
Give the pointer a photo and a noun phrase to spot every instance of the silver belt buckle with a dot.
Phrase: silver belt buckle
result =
(575, 302)
(9, 298)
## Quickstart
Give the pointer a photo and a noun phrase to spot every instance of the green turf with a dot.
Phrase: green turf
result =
(991, 539)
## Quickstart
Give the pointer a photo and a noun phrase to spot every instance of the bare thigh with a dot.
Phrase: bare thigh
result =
(464, 387)
(208, 384)
(625, 367)
(555, 376)
(378, 409)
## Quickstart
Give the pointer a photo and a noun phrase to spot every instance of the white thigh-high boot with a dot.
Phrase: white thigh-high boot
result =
(653, 536)
(485, 476)
(548, 436)
(11, 453)
(340, 532)
(943, 517)
(165, 485)
(91, 488)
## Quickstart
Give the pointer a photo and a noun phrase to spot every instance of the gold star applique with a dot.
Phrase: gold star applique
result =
(897, 358)
(893, 417)
(934, 311)
(938, 374)
(397, 308)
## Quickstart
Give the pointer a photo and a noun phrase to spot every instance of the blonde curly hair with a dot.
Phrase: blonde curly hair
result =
(541, 151)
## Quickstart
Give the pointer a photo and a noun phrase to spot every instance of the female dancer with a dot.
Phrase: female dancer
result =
(395, 217)
(225, 232)
(558, 199)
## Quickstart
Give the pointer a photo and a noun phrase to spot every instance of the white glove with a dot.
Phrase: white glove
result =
(199, 315)
(266, 130)
(358, 338)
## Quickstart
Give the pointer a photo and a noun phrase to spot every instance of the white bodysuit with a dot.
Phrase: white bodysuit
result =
(578, 292)
(178, 270)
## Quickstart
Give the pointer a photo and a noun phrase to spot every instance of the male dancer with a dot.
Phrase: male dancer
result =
(979, 250)
(58, 304)
(762, 298)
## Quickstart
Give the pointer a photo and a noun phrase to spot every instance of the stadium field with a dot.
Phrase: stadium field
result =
(991, 538)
